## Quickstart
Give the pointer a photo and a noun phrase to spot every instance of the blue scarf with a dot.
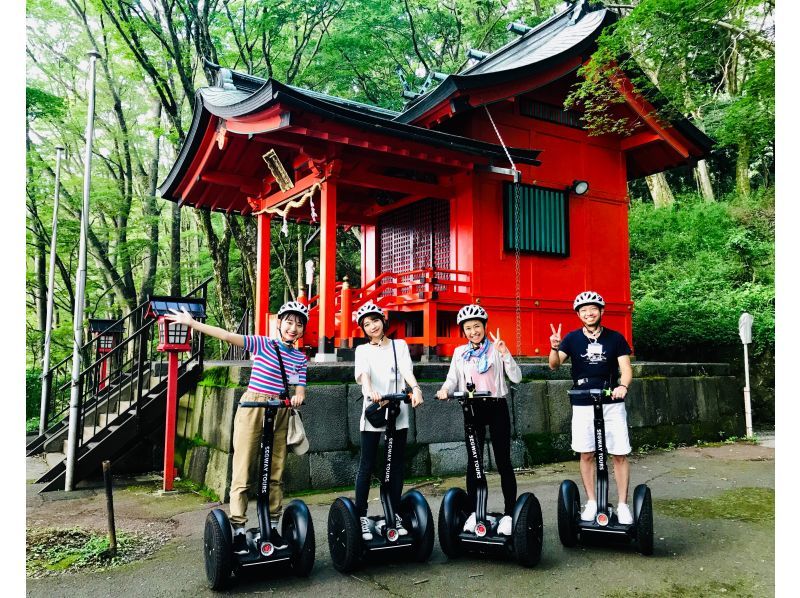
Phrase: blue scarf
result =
(479, 354)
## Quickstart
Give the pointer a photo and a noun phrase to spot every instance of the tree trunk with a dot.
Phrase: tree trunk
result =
(150, 209)
(218, 248)
(743, 168)
(175, 252)
(703, 179)
(659, 190)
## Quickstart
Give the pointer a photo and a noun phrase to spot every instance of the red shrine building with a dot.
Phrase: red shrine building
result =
(433, 189)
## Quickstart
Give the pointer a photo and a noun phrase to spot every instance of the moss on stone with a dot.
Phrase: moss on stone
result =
(218, 376)
(545, 447)
(754, 505)
(732, 589)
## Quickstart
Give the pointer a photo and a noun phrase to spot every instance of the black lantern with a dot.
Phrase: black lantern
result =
(173, 336)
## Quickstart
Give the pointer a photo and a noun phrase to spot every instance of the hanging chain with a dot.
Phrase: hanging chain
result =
(517, 226)
(517, 277)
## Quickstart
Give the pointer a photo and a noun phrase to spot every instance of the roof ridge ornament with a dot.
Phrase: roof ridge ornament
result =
(518, 28)
(578, 11)
(476, 54)
(225, 79)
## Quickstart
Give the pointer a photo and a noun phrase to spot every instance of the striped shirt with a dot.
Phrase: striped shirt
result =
(266, 375)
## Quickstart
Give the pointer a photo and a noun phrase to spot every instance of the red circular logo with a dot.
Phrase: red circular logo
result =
(392, 535)
(267, 549)
(602, 519)
(480, 530)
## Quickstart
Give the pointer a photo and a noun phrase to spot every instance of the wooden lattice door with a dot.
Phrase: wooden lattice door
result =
(414, 237)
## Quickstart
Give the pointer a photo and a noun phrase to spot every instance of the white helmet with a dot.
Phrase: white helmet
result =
(294, 307)
(588, 298)
(369, 308)
(472, 311)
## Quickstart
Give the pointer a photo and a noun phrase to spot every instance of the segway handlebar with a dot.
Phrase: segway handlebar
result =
(397, 397)
(268, 403)
(587, 396)
(464, 395)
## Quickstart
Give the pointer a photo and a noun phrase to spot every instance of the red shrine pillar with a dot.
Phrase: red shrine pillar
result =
(261, 314)
(327, 270)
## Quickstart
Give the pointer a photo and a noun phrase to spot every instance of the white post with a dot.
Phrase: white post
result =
(50, 295)
(746, 334)
(80, 288)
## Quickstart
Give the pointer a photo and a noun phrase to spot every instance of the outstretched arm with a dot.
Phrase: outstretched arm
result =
(184, 317)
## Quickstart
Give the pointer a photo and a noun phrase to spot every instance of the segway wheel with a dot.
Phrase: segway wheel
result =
(297, 528)
(568, 509)
(452, 515)
(218, 549)
(528, 531)
(344, 535)
(643, 513)
(414, 507)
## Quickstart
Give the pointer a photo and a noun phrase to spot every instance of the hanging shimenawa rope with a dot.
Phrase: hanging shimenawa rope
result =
(517, 226)
(291, 203)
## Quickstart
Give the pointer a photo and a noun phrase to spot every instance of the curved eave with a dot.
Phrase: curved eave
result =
(273, 92)
(456, 84)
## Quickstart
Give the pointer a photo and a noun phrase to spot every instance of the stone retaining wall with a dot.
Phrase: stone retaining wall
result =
(666, 403)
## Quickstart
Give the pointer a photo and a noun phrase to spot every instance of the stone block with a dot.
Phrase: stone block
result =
(218, 473)
(707, 392)
(219, 409)
(240, 375)
(558, 406)
(325, 417)
(196, 464)
(682, 400)
(418, 462)
(450, 458)
(656, 402)
(730, 400)
(438, 421)
(635, 404)
(334, 468)
(530, 408)
(297, 473)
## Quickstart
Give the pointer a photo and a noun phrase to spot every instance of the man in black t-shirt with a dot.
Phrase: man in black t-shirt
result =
(600, 357)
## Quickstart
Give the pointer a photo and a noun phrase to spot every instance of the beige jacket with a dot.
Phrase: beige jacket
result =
(456, 379)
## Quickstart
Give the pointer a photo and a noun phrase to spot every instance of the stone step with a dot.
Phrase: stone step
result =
(54, 459)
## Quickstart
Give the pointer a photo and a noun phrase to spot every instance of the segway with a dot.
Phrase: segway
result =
(525, 542)
(605, 525)
(293, 546)
(348, 549)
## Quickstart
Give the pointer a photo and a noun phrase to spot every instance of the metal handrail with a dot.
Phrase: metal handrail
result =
(235, 353)
(128, 363)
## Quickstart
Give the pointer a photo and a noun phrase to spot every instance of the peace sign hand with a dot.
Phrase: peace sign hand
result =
(555, 338)
(499, 345)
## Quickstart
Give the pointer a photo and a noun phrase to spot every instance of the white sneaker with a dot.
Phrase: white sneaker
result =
(398, 524)
(472, 521)
(589, 511)
(624, 514)
(504, 528)
(366, 533)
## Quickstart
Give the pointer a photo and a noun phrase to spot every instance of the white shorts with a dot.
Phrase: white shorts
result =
(616, 425)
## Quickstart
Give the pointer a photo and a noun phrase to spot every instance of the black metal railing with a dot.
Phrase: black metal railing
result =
(113, 382)
(235, 353)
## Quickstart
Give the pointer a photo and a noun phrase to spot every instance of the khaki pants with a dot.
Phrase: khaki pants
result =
(247, 427)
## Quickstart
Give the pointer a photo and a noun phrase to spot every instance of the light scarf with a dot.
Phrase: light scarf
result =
(479, 354)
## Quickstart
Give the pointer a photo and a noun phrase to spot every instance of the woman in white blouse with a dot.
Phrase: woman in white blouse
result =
(380, 373)
(486, 364)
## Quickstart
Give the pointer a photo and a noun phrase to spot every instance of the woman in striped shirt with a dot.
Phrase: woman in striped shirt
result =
(266, 382)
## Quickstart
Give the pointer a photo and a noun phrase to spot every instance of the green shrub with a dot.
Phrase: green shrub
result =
(33, 392)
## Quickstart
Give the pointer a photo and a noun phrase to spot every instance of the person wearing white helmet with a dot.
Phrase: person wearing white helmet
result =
(600, 359)
(486, 363)
(381, 367)
(266, 382)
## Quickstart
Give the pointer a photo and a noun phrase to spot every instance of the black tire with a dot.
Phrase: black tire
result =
(303, 545)
(644, 520)
(344, 536)
(415, 509)
(452, 515)
(217, 550)
(528, 531)
(568, 508)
